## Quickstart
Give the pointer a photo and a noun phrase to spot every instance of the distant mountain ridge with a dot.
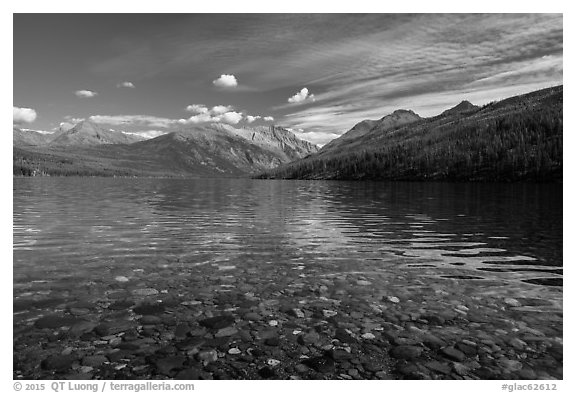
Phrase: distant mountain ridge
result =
(89, 133)
(519, 138)
(29, 138)
(208, 150)
(463, 107)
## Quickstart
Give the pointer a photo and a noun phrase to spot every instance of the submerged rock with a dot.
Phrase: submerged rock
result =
(406, 352)
(58, 362)
(56, 321)
(218, 322)
(226, 332)
(208, 356)
(94, 361)
(453, 353)
(321, 364)
(145, 292)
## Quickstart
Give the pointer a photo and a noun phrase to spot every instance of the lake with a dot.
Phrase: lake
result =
(478, 267)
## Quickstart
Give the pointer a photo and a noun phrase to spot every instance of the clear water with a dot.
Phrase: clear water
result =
(371, 252)
(81, 227)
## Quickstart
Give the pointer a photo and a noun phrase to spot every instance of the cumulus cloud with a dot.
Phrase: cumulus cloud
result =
(85, 93)
(301, 96)
(252, 119)
(220, 109)
(199, 118)
(129, 85)
(197, 108)
(226, 81)
(23, 115)
(268, 118)
(231, 117)
(141, 120)
(65, 126)
(217, 114)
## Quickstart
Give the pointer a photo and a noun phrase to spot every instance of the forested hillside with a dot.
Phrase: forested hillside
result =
(519, 138)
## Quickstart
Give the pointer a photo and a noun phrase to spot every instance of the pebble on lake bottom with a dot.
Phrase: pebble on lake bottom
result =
(319, 326)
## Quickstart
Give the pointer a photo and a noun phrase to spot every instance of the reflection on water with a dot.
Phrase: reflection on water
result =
(77, 226)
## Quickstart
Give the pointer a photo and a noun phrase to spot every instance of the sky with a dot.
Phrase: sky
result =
(317, 74)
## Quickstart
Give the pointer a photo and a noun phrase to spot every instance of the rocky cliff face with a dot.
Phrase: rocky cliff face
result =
(276, 139)
(205, 151)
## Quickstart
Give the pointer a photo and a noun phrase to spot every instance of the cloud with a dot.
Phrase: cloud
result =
(317, 138)
(217, 114)
(378, 63)
(65, 126)
(147, 134)
(268, 118)
(301, 96)
(199, 118)
(85, 93)
(197, 108)
(231, 117)
(140, 120)
(220, 109)
(69, 123)
(225, 81)
(252, 119)
(38, 131)
(23, 115)
(126, 84)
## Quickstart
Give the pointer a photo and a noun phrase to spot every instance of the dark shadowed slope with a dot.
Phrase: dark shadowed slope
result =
(397, 119)
(465, 107)
(519, 138)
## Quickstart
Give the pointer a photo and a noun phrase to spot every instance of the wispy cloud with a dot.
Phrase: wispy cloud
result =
(445, 59)
(85, 93)
(358, 66)
(23, 115)
(268, 118)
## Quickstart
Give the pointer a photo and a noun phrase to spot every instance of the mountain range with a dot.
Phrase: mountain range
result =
(519, 138)
(202, 151)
